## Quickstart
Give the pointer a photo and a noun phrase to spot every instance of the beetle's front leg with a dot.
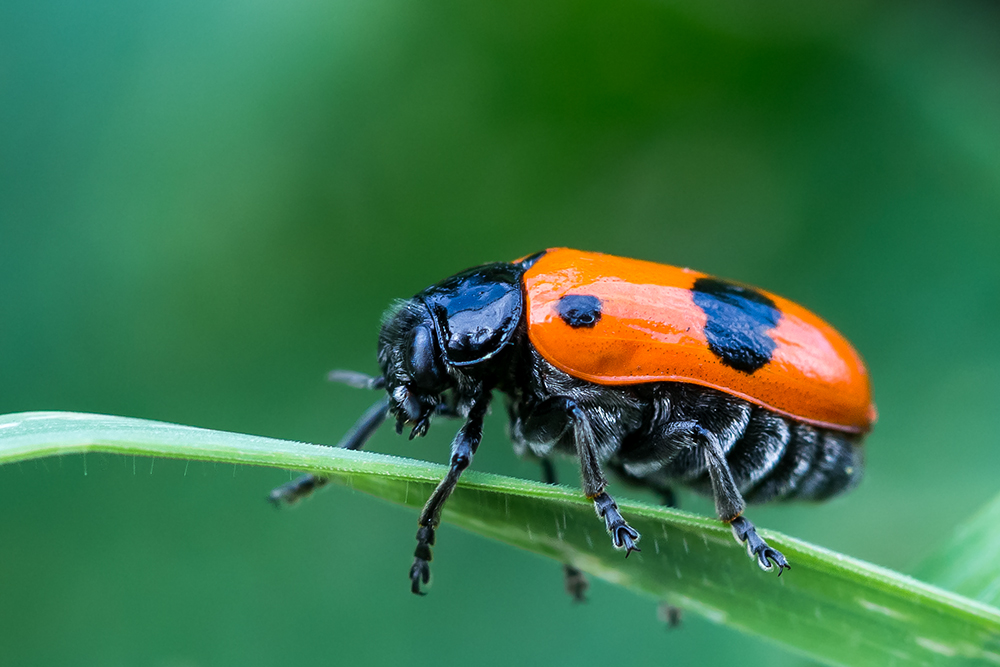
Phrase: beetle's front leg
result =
(462, 450)
(295, 490)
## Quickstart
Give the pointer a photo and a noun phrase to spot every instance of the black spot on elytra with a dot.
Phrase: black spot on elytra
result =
(579, 310)
(739, 321)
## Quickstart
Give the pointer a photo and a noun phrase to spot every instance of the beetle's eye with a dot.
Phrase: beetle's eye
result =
(422, 359)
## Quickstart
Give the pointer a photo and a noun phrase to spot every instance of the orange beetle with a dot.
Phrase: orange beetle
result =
(664, 375)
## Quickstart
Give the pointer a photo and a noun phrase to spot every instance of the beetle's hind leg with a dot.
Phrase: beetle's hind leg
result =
(729, 505)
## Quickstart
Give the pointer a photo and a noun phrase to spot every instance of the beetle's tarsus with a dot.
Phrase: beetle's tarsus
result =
(766, 556)
(295, 490)
(356, 379)
(669, 614)
(420, 571)
(623, 536)
(576, 583)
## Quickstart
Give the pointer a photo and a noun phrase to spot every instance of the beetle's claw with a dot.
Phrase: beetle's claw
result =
(769, 558)
(766, 556)
(420, 571)
(623, 536)
(420, 427)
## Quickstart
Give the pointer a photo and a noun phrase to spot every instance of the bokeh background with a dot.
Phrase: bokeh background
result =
(204, 206)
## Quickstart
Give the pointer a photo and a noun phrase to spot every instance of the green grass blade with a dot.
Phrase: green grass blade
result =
(969, 562)
(831, 607)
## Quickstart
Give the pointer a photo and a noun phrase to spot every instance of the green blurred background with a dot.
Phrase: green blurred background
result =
(204, 206)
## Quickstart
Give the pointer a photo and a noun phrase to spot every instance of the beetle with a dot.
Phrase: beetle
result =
(661, 374)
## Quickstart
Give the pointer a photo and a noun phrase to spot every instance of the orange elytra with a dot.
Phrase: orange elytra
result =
(662, 323)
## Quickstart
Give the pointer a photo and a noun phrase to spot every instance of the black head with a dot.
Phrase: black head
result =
(452, 336)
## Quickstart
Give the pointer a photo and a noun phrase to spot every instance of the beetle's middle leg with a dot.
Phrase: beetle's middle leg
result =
(548, 422)
(623, 536)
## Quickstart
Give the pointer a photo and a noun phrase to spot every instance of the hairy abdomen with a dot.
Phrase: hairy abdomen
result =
(771, 457)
